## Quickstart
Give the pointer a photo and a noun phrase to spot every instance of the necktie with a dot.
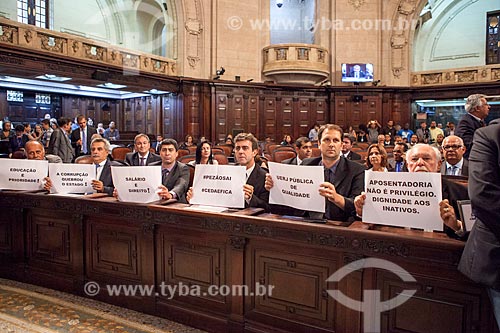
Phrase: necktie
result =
(328, 178)
(142, 161)
(164, 174)
(454, 170)
(482, 123)
(84, 142)
(97, 166)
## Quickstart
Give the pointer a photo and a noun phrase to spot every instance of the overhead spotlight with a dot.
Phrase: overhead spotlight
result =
(375, 83)
(216, 77)
(249, 80)
(220, 71)
(279, 3)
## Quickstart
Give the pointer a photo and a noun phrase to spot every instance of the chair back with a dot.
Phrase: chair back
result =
(271, 148)
(218, 149)
(186, 158)
(182, 152)
(228, 149)
(191, 174)
(221, 158)
(119, 153)
(316, 152)
(192, 149)
(84, 159)
(19, 155)
(281, 155)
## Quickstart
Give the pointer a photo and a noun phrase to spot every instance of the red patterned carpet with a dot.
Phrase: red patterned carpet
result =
(26, 308)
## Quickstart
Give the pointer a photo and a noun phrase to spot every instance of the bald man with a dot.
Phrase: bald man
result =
(36, 151)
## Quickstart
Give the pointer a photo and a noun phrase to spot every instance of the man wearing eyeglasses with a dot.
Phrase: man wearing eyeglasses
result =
(453, 152)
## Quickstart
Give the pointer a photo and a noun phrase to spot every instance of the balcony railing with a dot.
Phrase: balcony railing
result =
(296, 63)
(68, 45)
(480, 74)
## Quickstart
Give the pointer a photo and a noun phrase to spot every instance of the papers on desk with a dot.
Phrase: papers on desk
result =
(211, 209)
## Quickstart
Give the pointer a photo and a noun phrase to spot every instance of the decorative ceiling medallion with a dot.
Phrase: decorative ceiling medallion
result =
(357, 3)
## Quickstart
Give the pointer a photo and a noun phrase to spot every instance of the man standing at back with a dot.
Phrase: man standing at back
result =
(142, 155)
(477, 110)
(82, 137)
(60, 143)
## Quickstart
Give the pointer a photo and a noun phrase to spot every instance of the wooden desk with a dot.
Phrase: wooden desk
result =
(64, 242)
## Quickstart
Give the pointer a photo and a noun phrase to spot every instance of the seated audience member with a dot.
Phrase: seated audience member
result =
(389, 129)
(362, 137)
(313, 133)
(439, 142)
(388, 140)
(424, 158)
(398, 139)
(287, 140)
(262, 161)
(398, 163)
(246, 148)
(347, 142)
(141, 155)
(423, 134)
(380, 140)
(111, 133)
(188, 142)
(344, 179)
(18, 141)
(450, 129)
(453, 151)
(175, 175)
(7, 131)
(406, 132)
(373, 131)
(434, 131)
(204, 154)
(36, 151)
(100, 129)
(303, 148)
(413, 141)
(376, 158)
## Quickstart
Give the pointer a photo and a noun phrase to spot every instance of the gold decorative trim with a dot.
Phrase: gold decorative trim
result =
(357, 4)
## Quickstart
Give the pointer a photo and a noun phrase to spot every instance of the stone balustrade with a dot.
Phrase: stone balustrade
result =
(467, 75)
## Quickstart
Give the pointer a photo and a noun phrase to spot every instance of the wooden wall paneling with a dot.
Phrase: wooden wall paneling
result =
(168, 124)
(128, 115)
(91, 109)
(240, 118)
(343, 113)
(372, 109)
(269, 109)
(320, 114)
(4, 105)
(139, 114)
(253, 112)
(192, 111)
(221, 117)
(206, 114)
(301, 123)
(152, 103)
(285, 109)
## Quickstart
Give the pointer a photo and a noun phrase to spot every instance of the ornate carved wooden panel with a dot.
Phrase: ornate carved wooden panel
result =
(167, 121)
(300, 287)
(114, 251)
(446, 309)
(270, 117)
(252, 112)
(342, 113)
(192, 262)
(5, 235)
(284, 122)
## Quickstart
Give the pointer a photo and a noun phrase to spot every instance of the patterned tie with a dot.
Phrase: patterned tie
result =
(84, 142)
(142, 161)
(164, 175)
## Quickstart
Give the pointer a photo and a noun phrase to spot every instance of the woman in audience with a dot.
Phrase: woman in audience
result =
(7, 131)
(188, 142)
(376, 158)
(204, 154)
(37, 133)
(287, 140)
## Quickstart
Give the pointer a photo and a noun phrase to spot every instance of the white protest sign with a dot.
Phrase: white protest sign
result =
(219, 185)
(17, 174)
(405, 199)
(71, 178)
(137, 183)
(297, 186)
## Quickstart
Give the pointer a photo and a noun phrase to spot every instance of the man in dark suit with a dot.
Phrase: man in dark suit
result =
(175, 175)
(477, 110)
(481, 257)
(100, 150)
(344, 179)
(60, 143)
(142, 155)
(347, 142)
(453, 151)
(82, 136)
(303, 147)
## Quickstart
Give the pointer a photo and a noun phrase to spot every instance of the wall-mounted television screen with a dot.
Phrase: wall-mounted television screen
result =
(357, 72)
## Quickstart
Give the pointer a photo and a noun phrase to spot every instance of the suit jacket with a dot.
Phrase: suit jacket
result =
(349, 182)
(465, 168)
(14, 143)
(106, 177)
(353, 156)
(481, 257)
(292, 160)
(177, 180)
(133, 158)
(75, 136)
(465, 129)
(260, 197)
(392, 165)
(60, 145)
